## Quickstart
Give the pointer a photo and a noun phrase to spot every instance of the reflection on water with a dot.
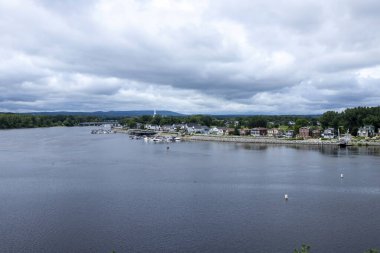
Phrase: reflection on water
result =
(332, 150)
(251, 146)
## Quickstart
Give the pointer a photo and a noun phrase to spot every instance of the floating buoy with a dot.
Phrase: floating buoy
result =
(341, 175)
(286, 197)
(167, 148)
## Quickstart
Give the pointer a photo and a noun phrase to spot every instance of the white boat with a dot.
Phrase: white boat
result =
(157, 139)
(345, 139)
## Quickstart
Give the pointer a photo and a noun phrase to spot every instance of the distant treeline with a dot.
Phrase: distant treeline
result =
(350, 119)
(10, 120)
(222, 121)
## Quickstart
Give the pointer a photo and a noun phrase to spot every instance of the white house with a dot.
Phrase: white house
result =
(328, 133)
(216, 131)
(152, 127)
(289, 134)
(274, 132)
(366, 131)
(192, 128)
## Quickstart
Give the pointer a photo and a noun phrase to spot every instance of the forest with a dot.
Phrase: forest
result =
(11, 120)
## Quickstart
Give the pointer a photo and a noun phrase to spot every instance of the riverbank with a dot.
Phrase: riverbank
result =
(269, 140)
(264, 140)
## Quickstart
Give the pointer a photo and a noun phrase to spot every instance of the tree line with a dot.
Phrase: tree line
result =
(11, 120)
(236, 122)
(352, 119)
(348, 120)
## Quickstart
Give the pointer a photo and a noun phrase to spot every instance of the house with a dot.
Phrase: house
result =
(366, 131)
(259, 131)
(304, 132)
(273, 132)
(166, 128)
(328, 133)
(224, 129)
(181, 126)
(174, 128)
(152, 127)
(280, 133)
(244, 131)
(316, 133)
(289, 134)
(216, 131)
(230, 131)
(193, 128)
(291, 123)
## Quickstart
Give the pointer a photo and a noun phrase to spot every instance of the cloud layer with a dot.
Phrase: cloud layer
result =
(212, 56)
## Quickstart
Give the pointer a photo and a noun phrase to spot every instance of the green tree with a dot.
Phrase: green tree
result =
(257, 121)
(304, 249)
(156, 120)
(372, 251)
(145, 119)
(329, 119)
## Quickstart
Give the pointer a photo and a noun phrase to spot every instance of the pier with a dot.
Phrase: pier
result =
(140, 132)
(100, 123)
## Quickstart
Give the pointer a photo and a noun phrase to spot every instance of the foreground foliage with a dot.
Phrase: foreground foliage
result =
(304, 249)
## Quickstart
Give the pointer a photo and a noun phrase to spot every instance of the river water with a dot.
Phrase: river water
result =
(65, 190)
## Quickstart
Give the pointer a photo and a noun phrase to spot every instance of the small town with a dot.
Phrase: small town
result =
(366, 135)
(299, 130)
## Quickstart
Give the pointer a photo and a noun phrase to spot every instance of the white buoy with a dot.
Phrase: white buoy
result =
(286, 196)
(341, 175)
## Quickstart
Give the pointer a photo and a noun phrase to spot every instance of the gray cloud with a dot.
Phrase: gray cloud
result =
(215, 56)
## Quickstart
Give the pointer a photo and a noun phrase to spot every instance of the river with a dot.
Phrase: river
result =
(65, 190)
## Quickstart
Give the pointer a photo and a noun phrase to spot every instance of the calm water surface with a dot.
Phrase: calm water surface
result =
(65, 190)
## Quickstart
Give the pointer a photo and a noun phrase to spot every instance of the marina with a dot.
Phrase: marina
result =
(102, 131)
(157, 138)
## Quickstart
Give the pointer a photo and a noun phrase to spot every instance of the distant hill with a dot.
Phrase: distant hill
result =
(109, 114)
(222, 116)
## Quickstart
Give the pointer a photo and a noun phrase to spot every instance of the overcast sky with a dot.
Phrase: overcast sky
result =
(208, 56)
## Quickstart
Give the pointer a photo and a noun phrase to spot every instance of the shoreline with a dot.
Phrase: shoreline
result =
(264, 140)
(269, 140)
